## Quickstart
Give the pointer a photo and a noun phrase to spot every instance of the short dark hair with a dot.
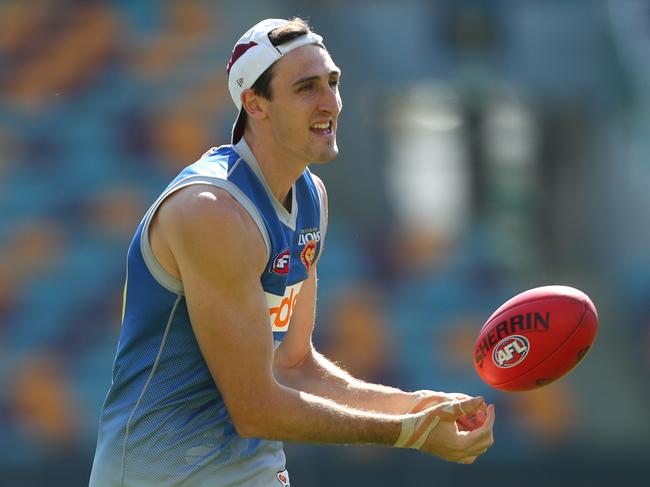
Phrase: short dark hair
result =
(295, 28)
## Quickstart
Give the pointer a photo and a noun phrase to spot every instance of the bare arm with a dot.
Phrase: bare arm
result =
(205, 236)
(220, 255)
(299, 365)
(453, 426)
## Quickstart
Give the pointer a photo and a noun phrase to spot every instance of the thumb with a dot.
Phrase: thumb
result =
(450, 410)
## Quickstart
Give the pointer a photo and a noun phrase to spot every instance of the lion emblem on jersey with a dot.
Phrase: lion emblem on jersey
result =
(308, 254)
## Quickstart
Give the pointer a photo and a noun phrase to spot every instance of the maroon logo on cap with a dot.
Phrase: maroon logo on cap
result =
(238, 52)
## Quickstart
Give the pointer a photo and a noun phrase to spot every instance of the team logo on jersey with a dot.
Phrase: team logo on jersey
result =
(283, 477)
(281, 262)
(510, 351)
(308, 253)
(308, 239)
(308, 235)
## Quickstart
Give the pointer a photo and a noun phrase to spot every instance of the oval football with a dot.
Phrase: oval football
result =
(535, 338)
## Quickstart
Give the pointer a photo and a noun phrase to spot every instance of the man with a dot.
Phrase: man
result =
(215, 365)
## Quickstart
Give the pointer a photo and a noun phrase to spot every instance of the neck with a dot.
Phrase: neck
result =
(279, 169)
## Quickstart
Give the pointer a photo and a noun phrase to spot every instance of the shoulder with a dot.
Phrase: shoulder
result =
(317, 181)
(320, 186)
(204, 204)
(203, 220)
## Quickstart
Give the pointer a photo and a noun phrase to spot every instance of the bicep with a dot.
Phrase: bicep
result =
(225, 300)
(233, 333)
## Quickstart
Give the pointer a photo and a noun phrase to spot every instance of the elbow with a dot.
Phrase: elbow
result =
(255, 418)
(247, 429)
(249, 434)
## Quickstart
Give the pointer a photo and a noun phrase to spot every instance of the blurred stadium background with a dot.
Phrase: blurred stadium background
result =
(504, 145)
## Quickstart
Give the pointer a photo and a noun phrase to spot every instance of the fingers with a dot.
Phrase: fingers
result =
(482, 419)
(478, 441)
(434, 398)
(467, 460)
(459, 395)
(451, 441)
(450, 410)
(424, 404)
(472, 458)
(469, 422)
(490, 417)
(469, 456)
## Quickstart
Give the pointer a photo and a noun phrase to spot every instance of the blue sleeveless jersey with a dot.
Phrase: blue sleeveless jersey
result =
(164, 422)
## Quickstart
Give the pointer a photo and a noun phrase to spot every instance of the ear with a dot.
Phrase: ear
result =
(254, 105)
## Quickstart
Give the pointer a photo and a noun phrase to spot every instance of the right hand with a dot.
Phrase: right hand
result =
(425, 399)
(450, 442)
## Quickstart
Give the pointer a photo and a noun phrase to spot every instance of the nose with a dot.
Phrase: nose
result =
(330, 101)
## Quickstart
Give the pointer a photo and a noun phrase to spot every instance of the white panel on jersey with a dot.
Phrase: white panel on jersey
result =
(281, 307)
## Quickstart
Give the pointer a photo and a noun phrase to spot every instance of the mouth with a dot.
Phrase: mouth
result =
(322, 128)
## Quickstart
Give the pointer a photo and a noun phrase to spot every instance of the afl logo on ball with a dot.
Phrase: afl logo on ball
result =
(510, 351)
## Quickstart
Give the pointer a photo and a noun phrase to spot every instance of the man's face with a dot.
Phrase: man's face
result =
(305, 104)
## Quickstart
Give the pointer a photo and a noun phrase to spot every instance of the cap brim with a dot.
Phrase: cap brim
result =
(238, 127)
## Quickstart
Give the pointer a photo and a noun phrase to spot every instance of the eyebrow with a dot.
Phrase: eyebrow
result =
(312, 78)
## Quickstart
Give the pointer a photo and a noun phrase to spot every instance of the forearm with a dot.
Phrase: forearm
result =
(291, 415)
(298, 416)
(318, 376)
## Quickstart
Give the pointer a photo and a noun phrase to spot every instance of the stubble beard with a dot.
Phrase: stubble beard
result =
(326, 155)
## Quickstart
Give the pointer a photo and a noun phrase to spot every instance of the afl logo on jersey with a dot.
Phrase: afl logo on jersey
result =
(281, 262)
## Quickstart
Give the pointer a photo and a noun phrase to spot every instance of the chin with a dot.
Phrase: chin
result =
(325, 156)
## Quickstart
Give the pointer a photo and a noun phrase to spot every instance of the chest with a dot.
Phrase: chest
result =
(293, 253)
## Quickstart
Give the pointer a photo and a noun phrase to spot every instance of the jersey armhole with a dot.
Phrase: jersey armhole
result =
(323, 210)
(163, 277)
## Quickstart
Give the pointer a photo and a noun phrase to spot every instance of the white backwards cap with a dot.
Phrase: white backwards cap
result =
(252, 55)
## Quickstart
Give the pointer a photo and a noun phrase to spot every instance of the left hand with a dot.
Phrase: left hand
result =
(424, 399)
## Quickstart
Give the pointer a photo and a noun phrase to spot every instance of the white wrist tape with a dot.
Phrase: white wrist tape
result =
(415, 430)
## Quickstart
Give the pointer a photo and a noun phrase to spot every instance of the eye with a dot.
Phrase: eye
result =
(334, 83)
(306, 86)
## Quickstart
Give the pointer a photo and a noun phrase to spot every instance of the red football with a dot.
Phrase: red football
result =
(535, 338)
